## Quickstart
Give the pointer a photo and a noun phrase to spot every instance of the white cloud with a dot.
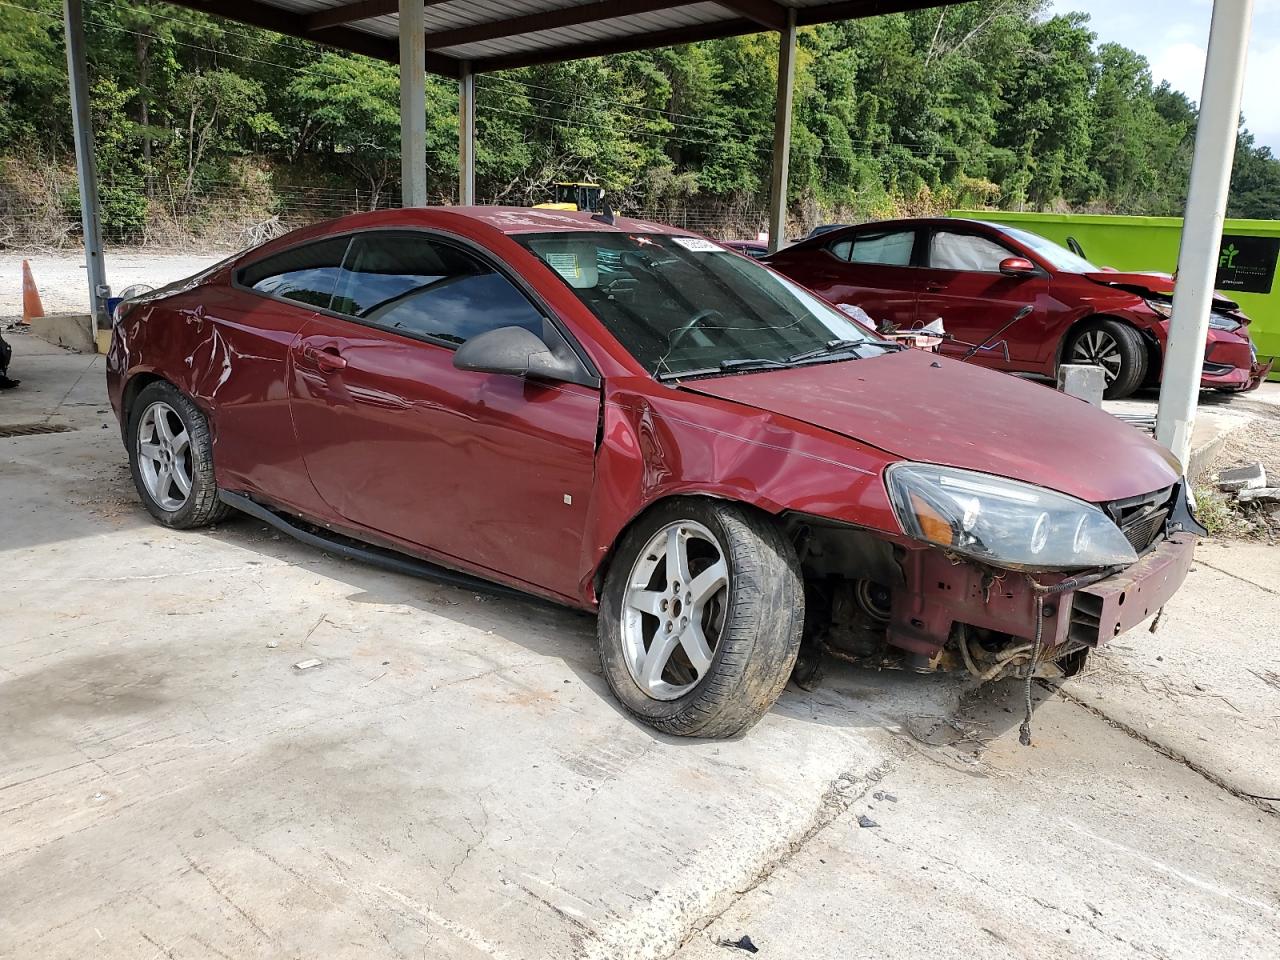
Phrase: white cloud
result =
(1182, 64)
(1262, 81)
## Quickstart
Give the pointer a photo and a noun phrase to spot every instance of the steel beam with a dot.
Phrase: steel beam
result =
(350, 13)
(413, 103)
(86, 167)
(625, 44)
(858, 9)
(466, 135)
(1216, 132)
(549, 20)
(782, 133)
(770, 15)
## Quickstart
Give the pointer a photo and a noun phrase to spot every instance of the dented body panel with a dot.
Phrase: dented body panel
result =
(927, 408)
(531, 483)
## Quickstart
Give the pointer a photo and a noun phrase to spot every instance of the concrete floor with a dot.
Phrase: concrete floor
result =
(454, 780)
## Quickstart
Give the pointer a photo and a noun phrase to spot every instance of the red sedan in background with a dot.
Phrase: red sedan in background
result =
(755, 249)
(625, 418)
(975, 276)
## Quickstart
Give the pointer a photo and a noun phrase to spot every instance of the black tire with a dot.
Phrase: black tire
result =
(202, 506)
(1128, 345)
(760, 623)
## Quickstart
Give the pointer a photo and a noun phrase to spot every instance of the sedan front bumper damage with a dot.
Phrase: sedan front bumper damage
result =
(1106, 609)
(943, 593)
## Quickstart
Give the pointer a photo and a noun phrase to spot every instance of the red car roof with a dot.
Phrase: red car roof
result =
(501, 220)
(507, 220)
(530, 220)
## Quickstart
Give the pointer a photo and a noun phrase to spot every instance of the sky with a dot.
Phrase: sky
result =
(1173, 35)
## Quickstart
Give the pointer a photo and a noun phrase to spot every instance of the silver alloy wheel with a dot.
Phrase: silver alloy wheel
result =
(1099, 348)
(674, 609)
(164, 456)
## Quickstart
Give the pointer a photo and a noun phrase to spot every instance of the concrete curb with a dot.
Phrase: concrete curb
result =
(1212, 432)
(70, 330)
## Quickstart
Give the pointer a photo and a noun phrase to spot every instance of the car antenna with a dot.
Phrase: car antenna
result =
(1020, 315)
(605, 215)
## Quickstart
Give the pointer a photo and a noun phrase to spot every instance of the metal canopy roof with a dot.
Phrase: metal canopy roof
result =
(503, 34)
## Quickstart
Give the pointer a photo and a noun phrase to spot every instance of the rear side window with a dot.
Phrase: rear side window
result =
(411, 283)
(891, 249)
(966, 251)
(305, 274)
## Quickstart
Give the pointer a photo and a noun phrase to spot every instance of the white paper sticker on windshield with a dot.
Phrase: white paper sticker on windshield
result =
(565, 264)
(698, 245)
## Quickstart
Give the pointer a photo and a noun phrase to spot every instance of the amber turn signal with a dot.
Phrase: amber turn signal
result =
(933, 525)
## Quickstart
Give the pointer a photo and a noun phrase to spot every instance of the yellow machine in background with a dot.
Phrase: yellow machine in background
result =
(575, 196)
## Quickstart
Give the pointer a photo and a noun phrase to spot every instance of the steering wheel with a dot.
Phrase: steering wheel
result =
(689, 325)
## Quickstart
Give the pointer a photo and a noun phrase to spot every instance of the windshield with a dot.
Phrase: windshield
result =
(1058, 256)
(685, 305)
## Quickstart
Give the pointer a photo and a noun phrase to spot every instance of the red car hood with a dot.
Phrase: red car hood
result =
(1160, 283)
(922, 407)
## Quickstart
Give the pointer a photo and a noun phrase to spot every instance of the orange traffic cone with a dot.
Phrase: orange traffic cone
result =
(31, 305)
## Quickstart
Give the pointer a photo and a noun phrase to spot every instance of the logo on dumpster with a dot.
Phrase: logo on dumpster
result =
(1247, 264)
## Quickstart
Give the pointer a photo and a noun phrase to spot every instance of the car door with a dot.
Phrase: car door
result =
(962, 284)
(871, 268)
(489, 469)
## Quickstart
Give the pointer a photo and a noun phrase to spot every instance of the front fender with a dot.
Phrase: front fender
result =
(658, 442)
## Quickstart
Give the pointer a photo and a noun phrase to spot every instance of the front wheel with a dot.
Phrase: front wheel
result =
(700, 618)
(1115, 347)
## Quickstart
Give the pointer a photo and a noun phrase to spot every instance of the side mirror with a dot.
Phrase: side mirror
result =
(513, 351)
(1017, 267)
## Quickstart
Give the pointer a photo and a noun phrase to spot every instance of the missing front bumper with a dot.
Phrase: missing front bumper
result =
(941, 593)
(1106, 609)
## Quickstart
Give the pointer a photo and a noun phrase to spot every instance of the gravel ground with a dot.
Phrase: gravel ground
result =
(1226, 517)
(60, 276)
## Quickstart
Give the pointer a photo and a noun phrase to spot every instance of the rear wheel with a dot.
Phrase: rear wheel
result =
(171, 458)
(700, 618)
(1115, 347)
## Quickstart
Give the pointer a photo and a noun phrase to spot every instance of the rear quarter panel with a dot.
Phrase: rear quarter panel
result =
(228, 351)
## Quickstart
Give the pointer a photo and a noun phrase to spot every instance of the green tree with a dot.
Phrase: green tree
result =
(986, 101)
(220, 108)
(1255, 183)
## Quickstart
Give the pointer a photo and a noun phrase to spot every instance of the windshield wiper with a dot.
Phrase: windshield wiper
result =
(739, 363)
(831, 346)
(734, 363)
(839, 346)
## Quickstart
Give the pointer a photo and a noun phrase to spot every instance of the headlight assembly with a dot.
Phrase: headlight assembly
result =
(1217, 321)
(1003, 522)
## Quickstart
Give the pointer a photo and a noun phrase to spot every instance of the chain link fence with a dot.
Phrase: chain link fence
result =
(40, 210)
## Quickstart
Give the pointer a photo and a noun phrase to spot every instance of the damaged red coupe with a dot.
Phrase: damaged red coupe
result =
(623, 417)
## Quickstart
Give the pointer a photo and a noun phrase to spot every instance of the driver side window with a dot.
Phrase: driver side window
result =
(413, 284)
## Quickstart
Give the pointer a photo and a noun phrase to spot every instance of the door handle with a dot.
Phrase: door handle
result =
(327, 359)
(934, 287)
